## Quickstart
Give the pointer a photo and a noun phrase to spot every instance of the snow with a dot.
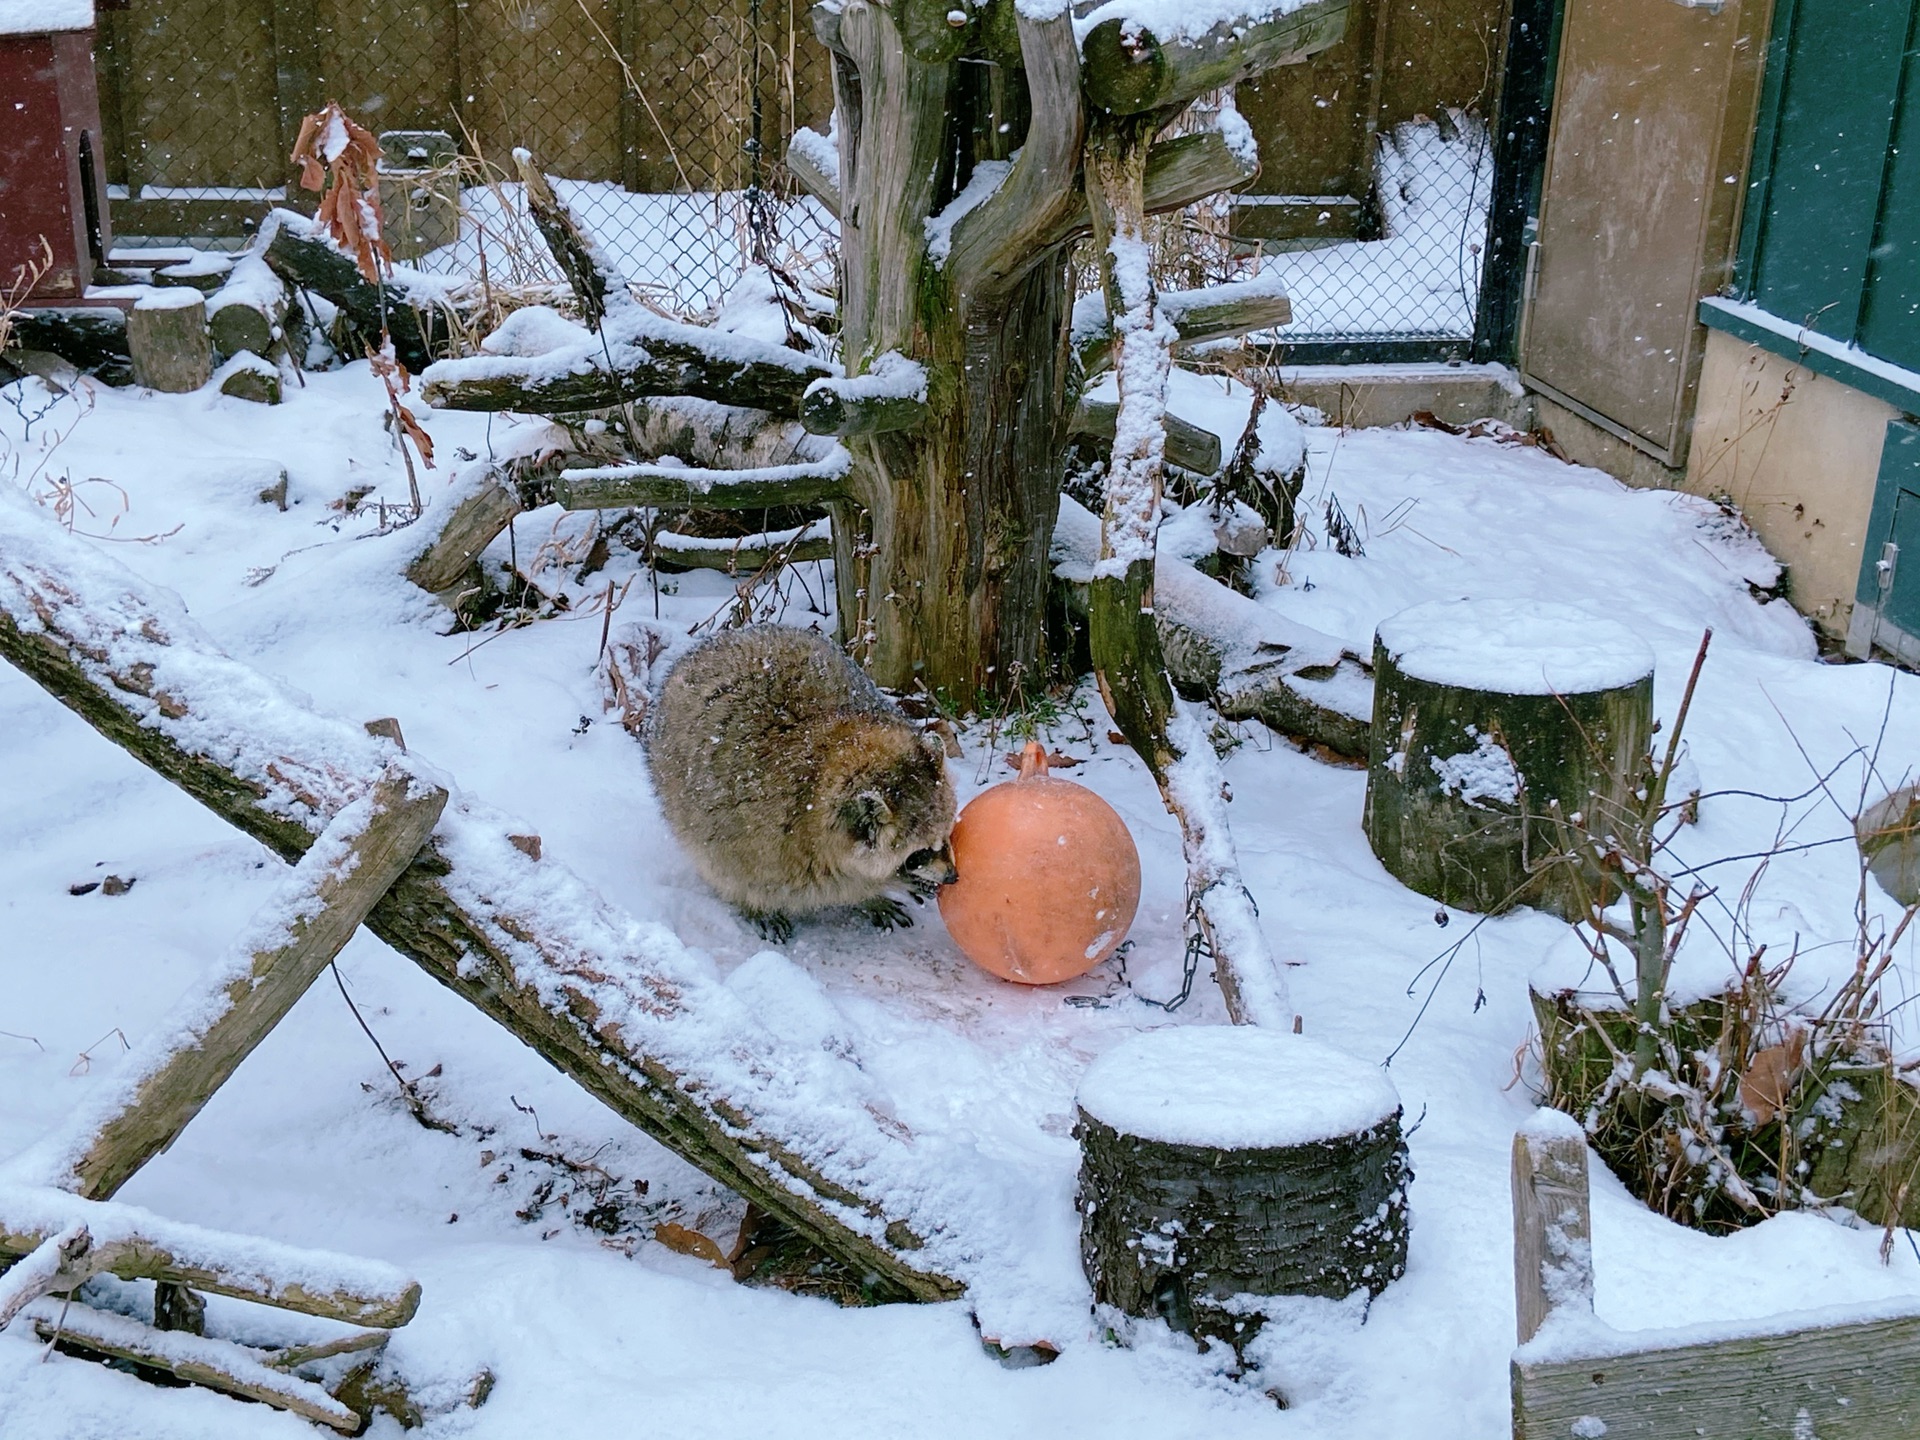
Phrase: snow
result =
(1235, 1087)
(988, 176)
(1483, 773)
(891, 376)
(1182, 19)
(309, 1148)
(1515, 647)
(170, 297)
(819, 149)
(42, 17)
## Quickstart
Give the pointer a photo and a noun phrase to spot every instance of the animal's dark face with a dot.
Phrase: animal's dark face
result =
(898, 807)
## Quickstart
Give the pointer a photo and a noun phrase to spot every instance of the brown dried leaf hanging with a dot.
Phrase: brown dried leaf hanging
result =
(343, 158)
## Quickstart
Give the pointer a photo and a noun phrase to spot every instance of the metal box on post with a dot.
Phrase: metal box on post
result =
(52, 195)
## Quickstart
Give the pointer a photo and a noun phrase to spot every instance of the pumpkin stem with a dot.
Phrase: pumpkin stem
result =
(1033, 760)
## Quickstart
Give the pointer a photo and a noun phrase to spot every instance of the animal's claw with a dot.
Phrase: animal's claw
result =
(887, 914)
(772, 924)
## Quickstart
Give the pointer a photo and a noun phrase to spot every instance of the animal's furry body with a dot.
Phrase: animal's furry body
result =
(793, 783)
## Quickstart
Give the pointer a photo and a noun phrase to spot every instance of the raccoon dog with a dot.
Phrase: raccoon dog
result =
(795, 784)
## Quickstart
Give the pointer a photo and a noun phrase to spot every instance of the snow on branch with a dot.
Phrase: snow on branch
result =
(1142, 55)
(891, 395)
(668, 483)
(634, 353)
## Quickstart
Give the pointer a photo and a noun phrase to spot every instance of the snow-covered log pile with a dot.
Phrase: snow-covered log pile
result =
(622, 1007)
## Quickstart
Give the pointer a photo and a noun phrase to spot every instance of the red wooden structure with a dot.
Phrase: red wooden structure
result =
(52, 191)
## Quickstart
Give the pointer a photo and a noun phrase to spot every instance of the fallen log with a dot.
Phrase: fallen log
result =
(135, 1244)
(746, 554)
(622, 1007)
(1246, 661)
(89, 336)
(190, 1053)
(217, 1364)
(416, 309)
(634, 353)
(481, 505)
(597, 284)
(248, 312)
(616, 487)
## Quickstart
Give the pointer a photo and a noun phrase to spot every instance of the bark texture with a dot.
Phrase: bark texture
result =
(1486, 853)
(1180, 1231)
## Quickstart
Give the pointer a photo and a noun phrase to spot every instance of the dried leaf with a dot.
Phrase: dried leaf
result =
(690, 1242)
(1769, 1079)
(1055, 761)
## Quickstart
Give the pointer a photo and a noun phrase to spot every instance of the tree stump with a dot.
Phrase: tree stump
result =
(1889, 836)
(167, 335)
(1494, 723)
(1221, 1164)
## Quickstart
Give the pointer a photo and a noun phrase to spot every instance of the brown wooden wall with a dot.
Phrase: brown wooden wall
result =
(1400, 58)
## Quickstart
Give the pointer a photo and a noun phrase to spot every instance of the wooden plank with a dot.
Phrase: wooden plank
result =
(1189, 446)
(615, 487)
(218, 1023)
(1858, 1381)
(1552, 1225)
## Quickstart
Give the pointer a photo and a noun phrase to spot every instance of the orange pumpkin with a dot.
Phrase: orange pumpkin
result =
(1049, 878)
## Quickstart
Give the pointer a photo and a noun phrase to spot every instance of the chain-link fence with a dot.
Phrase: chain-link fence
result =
(666, 121)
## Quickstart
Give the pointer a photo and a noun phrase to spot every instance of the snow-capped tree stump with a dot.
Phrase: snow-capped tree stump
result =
(1495, 724)
(167, 336)
(1222, 1165)
(411, 306)
(248, 312)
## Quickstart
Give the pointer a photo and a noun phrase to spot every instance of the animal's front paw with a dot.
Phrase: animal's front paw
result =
(887, 914)
(772, 924)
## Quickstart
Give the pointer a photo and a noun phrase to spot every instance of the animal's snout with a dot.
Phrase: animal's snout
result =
(933, 866)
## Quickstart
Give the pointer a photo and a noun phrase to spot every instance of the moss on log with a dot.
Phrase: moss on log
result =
(1468, 782)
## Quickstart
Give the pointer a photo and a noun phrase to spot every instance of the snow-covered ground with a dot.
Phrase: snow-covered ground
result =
(590, 1333)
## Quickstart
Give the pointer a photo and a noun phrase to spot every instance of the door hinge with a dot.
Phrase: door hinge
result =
(1884, 567)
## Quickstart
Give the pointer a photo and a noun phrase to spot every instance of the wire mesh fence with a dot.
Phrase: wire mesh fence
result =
(665, 122)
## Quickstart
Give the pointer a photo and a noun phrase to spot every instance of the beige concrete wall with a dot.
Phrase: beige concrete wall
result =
(1799, 454)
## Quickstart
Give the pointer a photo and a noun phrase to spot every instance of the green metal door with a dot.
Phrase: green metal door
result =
(1887, 609)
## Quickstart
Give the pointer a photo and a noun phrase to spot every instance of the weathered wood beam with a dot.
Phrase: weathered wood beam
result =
(1180, 171)
(804, 164)
(1130, 70)
(1001, 238)
(1552, 1225)
(635, 353)
(56, 1263)
(469, 520)
(136, 1245)
(217, 1364)
(197, 1045)
(597, 283)
(302, 256)
(1199, 317)
(616, 487)
(1189, 446)
(619, 1006)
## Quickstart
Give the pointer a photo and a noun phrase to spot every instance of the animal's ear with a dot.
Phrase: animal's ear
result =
(864, 815)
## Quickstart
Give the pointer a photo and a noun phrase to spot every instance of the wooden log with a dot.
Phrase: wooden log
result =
(89, 336)
(808, 152)
(1493, 723)
(303, 257)
(746, 555)
(635, 354)
(1180, 171)
(1198, 317)
(167, 337)
(136, 1245)
(482, 505)
(247, 377)
(1219, 1162)
(890, 396)
(249, 312)
(217, 1364)
(56, 1263)
(714, 436)
(596, 283)
(1552, 1227)
(205, 272)
(1188, 445)
(169, 1076)
(616, 487)
(617, 1005)
(1130, 70)
(1245, 660)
